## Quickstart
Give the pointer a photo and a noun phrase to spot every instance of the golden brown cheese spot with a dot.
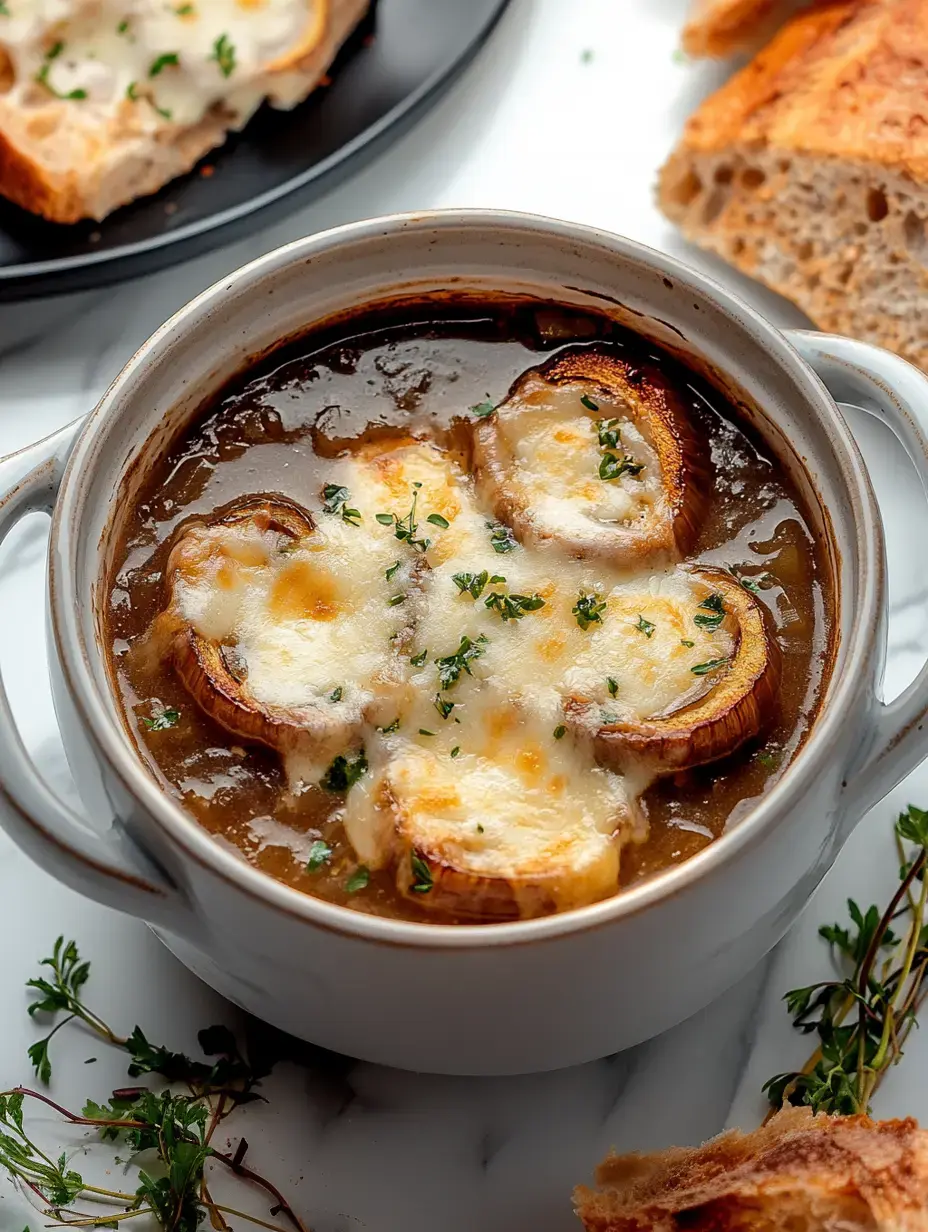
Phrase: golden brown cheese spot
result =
(302, 591)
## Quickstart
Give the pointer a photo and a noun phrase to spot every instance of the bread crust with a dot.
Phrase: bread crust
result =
(718, 28)
(57, 162)
(800, 1171)
(809, 170)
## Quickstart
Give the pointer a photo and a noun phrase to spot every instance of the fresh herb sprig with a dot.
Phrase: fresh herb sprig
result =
(406, 529)
(177, 1127)
(862, 1020)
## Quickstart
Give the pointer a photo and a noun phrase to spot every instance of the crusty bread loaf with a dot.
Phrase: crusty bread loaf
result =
(57, 158)
(809, 170)
(799, 1173)
(717, 28)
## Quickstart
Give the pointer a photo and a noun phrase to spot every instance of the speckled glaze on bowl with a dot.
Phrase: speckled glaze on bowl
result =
(502, 998)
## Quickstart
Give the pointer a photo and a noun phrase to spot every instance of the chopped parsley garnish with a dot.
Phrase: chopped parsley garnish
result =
(589, 403)
(396, 600)
(437, 520)
(406, 528)
(224, 55)
(610, 434)
(715, 612)
(588, 610)
(703, 669)
(768, 759)
(483, 409)
(184, 10)
(167, 59)
(424, 731)
(392, 570)
(513, 607)
(132, 91)
(501, 537)
(42, 75)
(336, 694)
(611, 467)
(319, 853)
(443, 706)
(472, 584)
(560, 732)
(419, 659)
(644, 626)
(686, 642)
(344, 772)
(123, 27)
(421, 875)
(451, 666)
(612, 685)
(335, 497)
(391, 727)
(162, 721)
(456, 751)
(359, 880)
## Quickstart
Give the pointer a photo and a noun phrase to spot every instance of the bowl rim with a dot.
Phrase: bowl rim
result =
(842, 692)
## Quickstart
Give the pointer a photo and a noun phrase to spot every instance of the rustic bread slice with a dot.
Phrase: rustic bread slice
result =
(809, 171)
(717, 28)
(799, 1173)
(67, 159)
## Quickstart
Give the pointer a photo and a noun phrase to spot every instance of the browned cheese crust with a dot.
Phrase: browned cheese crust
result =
(808, 170)
(799, 1173)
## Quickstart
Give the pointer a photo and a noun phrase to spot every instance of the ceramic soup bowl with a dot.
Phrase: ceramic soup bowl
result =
(498, 998)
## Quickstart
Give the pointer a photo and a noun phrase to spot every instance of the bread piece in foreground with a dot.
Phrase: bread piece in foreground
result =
(809, 171)
(93, 117)
(717, 28)
(799, 1173)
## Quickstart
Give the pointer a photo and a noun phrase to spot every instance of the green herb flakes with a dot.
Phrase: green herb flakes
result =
(501, 537)
(421, 875)
(588, 610)
(645, 626)
(703, 669)
(344, 772)
(319, 853)
(360, 879)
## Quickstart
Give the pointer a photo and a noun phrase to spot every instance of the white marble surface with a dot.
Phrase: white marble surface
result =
(534, 125)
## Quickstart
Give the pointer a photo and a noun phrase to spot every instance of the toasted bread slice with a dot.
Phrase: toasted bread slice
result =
(76, 143)
(809, 171)
(269, 622)
(799, 1173)
(720, 640)
(503, 829)
(590, 453)
(717, 28)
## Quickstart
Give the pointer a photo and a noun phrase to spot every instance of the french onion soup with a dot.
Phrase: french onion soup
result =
(468, 612)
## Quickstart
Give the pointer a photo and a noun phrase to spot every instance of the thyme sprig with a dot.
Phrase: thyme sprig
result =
(863, 1019)
(178, 1127)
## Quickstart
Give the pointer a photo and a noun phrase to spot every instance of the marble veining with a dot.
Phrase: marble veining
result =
(362, 1147)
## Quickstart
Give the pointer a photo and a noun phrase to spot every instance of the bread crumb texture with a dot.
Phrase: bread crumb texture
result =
(808, 170)
(798, 1173)
(717, 28)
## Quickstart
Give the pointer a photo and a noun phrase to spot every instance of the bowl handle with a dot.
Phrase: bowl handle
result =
(106, 865)
(896, 392)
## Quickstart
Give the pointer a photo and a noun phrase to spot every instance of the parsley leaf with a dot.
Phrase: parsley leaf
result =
(422, 875)
(646, 627)
(472, 584)
(359, 879)
(451, 666)
(513, 607)
(501, 537)
(714, 616)
(319, 853)
(344, 772)
(703, 669)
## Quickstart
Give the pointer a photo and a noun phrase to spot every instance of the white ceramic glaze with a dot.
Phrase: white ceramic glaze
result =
(506, 998)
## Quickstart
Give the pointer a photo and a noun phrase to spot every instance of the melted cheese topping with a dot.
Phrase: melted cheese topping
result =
(419, 630)
(550, 434)
(153, 60)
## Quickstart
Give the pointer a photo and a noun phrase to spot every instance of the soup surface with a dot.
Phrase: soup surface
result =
(468, 612)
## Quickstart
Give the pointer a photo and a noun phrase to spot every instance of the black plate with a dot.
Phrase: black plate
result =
(400, 59)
